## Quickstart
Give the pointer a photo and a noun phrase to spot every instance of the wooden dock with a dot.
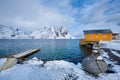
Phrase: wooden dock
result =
(84, 42)
(25, 53)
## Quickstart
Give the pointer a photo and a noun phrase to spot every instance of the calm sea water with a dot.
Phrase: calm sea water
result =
(50, 49)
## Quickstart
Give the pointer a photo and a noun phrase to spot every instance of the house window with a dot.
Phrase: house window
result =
(104, 36)
(97, 36)
(90, 36)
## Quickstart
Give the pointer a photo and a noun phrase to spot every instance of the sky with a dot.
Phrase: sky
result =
(75, 15)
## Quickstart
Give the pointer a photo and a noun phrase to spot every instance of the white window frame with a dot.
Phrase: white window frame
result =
(104, 36)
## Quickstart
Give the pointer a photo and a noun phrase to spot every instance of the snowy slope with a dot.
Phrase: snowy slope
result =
(7, 32)
(50, 33)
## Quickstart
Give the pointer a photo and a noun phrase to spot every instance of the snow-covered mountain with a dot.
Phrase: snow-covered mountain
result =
(7, 32)
(50, 33)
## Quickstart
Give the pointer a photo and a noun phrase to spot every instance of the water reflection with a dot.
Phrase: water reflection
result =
(87, 50)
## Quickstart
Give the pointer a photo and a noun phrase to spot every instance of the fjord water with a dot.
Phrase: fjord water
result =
(60, 49)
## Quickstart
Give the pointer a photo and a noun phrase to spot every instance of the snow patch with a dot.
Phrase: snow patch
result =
(115, 53)
(105, 55)
(95, 51)
(99, 58)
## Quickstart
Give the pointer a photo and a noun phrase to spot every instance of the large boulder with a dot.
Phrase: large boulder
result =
(10, 62)
(94, 66)
(2, 62)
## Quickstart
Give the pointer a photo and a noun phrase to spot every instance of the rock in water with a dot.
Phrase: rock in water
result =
(94, 66)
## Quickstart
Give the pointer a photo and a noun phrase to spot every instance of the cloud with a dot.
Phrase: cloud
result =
(29, 14)
(101, 10)
(93, 26)
(102, 14)
(76, 15)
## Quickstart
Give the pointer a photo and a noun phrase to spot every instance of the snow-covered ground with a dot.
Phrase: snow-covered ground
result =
(112, 45)
(35, 69)
(115, 44)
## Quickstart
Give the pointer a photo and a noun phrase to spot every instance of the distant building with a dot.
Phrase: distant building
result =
(115, 36)
(97, 35)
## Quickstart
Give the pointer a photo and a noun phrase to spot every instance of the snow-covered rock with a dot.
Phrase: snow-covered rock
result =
(116, 53)
(114, 44)
(95, 51)
(105, 55)
(99, 58)
(113, 47)
(50, 33)
(114, 65)
(94, 65)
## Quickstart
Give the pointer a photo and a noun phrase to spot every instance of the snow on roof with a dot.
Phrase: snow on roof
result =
(97, 31)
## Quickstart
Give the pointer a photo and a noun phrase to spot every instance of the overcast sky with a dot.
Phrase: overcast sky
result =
(76, 15)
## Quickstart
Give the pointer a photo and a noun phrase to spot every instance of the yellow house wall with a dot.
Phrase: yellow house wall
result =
(96, 37)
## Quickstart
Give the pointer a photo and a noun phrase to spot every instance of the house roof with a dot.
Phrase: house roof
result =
(97, 31)
(115, 33)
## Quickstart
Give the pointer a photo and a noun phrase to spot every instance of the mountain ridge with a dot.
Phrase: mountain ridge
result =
(8, 32)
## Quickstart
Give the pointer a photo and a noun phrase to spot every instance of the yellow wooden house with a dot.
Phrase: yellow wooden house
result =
(98, 35)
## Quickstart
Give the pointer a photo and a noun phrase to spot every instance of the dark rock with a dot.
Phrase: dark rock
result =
(94, 66)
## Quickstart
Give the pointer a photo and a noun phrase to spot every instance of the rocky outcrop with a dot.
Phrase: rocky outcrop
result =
(94, 66)
(8, 63)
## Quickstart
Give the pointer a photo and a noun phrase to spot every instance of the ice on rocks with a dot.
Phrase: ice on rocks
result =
(99, 58)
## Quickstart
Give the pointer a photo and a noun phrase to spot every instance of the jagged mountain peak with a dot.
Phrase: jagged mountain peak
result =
(45, 32)
(50, 33)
